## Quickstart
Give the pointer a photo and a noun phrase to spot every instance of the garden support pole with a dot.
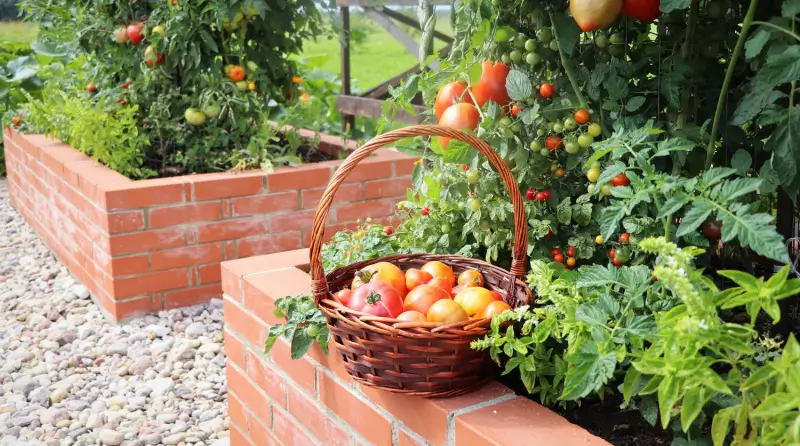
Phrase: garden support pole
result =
(348, 121)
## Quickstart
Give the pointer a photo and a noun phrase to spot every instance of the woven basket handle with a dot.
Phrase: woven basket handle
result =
(318, 283)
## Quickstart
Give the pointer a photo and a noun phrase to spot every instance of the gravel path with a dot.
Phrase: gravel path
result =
(70, 377)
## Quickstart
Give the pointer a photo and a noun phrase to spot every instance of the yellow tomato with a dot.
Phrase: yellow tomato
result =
(474, 300)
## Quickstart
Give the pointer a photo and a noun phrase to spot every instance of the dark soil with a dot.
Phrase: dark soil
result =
(307, 152)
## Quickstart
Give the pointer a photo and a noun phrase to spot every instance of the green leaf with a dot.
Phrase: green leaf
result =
(589, 371)
(695, 216)
(418, 177)
(610, 218)
(503, 33)
(741, 161)
(719, 427)
(790, 8)
(459, 153)
(629, 384)
(741, 278)
(691, 405)
(760, 376)
(776, 404)
(595, 276)
(611, 171)
(667, 395)
(781, 67)
(649, 410)
(769, 178)
(715, 175)
(518, 85)
(300, 343)
(617, 87)
(754, 45)
(634, 103)
(740, 187)
(785, 146)
(673, 205)
(564, 211)
(752, 230)
(567, 32)
(591, 313)
(672, 81)
(758, 97)
(528, 115)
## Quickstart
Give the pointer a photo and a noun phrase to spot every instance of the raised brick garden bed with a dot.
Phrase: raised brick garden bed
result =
(143, 246)
(314, 401)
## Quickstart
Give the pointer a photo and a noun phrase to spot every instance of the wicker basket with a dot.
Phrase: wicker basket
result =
(416, 358)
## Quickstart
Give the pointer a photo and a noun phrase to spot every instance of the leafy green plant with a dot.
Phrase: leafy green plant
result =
(368, 241)
(304, 325)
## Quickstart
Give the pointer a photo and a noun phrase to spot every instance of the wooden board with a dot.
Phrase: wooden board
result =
(373, 108)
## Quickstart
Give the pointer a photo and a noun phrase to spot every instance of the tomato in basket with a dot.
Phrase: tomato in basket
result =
(378, 299)
(384, 272)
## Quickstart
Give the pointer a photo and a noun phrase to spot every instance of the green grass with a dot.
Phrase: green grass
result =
(16, 32)
(375, 55)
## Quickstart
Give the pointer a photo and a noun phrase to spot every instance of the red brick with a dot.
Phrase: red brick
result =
(234, 348)
(225, 185)
(151, 282)
(237, 412)
(147, 241)
(191, 296)
(291, 221)
(55, 156)
(259, 304)
(239, 438)
(268, 244)
(133, 308)
(130, 265)
(189, 213)
(264, 204)
(32, 143)
(139, 194)
(404, 166)
(230, 229)
(185, 256)
(125, 221)
(265, 378)
(301, 371)
(330, 231)
(288, 430)
(261, 434)
(251, 328)
(355, 412)
(404, 439)
(209, 274)
(505, 423)
(395, 187)
(364, 209)
(303, 177)
(252, 398)
(346, 193)
(371, 168)
(315, 420)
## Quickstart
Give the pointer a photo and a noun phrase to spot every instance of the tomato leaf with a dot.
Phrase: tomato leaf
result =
(503, 33)
(695, 216)
(564, 211)
(672, 5)
(741, 161)
(589, 371)
(790, 8)
(591, 313)
(754, 45)
(518, 85)
(785, 145)
(567, 32)
(649, 410)
(759, 96)
(753, 230)
(611, 217)
(673, 205)
(673, 145)
(781, 67)
(611, 171)
(459, 153)
(634, 103)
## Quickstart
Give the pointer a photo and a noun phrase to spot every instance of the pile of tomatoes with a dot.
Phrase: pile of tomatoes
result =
(431, 293)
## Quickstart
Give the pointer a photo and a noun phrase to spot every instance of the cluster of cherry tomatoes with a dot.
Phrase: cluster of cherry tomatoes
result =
(621, 255)
(431, 293)
(558, 256)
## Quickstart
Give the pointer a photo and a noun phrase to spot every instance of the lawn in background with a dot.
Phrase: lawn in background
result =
(16, 32)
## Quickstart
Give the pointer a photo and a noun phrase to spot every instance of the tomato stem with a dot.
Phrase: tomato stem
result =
(686, 55)
(737, 51)
(568, 69)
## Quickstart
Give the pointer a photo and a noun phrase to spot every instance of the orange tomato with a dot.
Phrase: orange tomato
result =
(495, 308)
(474, 300)
(450, 94)
(459, 116)
(439, 269)
(415, 278)
(582, 116)
(447, 311)
(384, 272)
(470, 278)
(412, 316)
(442, 283)
(422, 297)
(492, 85)
(592, 14)
(496, 295)
(236, 73)
(454, 292)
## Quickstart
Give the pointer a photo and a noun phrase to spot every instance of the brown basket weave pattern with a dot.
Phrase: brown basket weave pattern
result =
(416, 358)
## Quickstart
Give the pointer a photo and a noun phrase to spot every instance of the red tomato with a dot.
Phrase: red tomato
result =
(492, 85)
(415, 278)
(594, 14)
(558, 258)
(546, 194)
(712, 229)
(15, 120)
(441, 282)
(450, 94)
(384, 272)
(422, 297)
(343, 296)
(496, 295)
(624, 238)
(236, 73)
(620, 180)
(91, 87)
(425, 211)
(547, 90)
(388, 231)
(378, 299)
(612, 253)
(553, 143)
(152, 57)
(582, 116)
(460, 116)
(530, 195)
(474, 300)
(515, 110)
(412, 316)
(541, 196)
(571, 251)
(470, 278)
(617, 262)
(495, 308)
(439, 269)
(646, 10)
(555, 251)
(135, 33)
(560, 172)
(446, 311)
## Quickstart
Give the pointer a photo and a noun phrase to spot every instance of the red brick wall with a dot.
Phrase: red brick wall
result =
(143, 246)
(313, 401)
